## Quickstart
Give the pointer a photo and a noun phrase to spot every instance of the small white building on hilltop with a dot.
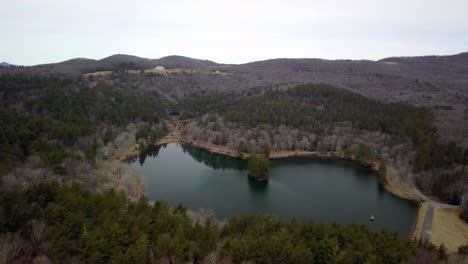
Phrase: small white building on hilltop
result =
(159, 68)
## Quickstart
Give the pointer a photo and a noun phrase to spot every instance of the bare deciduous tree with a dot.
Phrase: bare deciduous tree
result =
(42, 259)
(11, 246)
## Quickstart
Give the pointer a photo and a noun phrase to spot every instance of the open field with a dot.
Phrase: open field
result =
(449, 228)
(162, 72)
(390, 62)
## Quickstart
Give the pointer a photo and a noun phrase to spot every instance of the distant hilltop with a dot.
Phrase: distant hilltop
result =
(6, 64)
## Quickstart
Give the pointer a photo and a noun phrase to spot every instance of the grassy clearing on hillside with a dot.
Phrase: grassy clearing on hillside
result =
(163, 72)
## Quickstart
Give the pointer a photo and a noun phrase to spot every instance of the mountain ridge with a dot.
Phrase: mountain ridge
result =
(120, 56)
(428, 81)
(6, 64)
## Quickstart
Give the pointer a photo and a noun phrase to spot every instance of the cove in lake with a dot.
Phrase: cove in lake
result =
(322, 190)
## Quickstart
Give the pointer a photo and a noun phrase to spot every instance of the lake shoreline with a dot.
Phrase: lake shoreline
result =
(389, 184)
(223, 150)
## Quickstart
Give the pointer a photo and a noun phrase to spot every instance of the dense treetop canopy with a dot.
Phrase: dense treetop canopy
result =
(46, 115)
(259, 167)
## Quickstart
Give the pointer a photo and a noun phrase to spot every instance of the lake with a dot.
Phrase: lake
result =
(318, 189)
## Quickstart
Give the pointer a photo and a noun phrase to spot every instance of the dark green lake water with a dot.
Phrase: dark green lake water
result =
(323, 190)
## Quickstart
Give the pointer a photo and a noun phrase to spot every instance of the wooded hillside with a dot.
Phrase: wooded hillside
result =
(325, 118)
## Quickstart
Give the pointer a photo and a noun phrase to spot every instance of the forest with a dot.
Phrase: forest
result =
(68, 224)
(57, 113)
(308, 106)
(60, 202)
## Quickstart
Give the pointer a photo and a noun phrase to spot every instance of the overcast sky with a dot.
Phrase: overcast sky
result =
(44, 31)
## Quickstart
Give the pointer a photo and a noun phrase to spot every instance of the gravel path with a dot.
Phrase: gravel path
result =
(427, 225)
(412, 191)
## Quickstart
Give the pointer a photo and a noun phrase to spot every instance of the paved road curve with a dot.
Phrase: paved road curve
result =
(412, 191)
(427, 225)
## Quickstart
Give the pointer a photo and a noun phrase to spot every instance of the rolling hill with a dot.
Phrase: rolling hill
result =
(439, 82)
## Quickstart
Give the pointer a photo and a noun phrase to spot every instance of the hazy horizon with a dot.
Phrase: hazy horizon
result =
(49, 31)
(221, 62)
